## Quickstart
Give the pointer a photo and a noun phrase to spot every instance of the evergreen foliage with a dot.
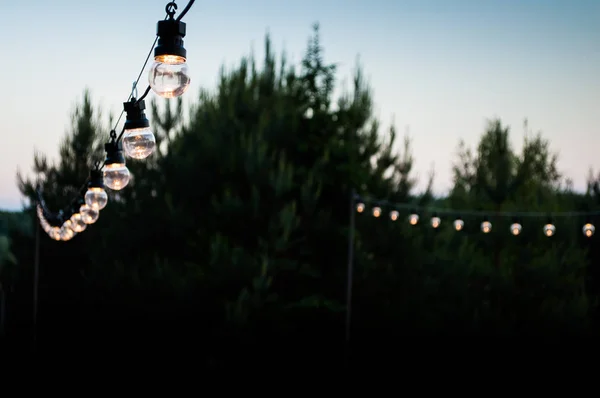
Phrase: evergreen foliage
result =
(236, 230)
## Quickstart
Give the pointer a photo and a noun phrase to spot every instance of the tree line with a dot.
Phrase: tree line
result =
(235, 232)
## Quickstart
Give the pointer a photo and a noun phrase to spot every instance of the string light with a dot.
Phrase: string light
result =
(588, 230)
(458, 224)
(549, 229)
(138, 139)
(486, 227)
(116, 173)
(168, 77)
(88, 215)
(96, 196)
(515, 229)
(413, 219)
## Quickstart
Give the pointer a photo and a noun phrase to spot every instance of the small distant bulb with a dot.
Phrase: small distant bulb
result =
(394, 215)
(413, 219)
(486, 227)
(376, 211)
(77, 223)
(169, 76)
(360, 207)
(588, 230)
(459, 224)
(68, 224)
(54, 233)
(549, 229)
(515, 229)
(435, 222)
(116, 176)
(96, 198)
(88, 215)
(66, 233)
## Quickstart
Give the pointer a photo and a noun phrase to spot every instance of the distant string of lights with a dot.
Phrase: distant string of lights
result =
(549, 229)
(168, 77)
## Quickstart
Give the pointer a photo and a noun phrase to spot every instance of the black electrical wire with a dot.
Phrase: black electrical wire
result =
(185, 10)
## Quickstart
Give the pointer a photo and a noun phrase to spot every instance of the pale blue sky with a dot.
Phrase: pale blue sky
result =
(440, 67)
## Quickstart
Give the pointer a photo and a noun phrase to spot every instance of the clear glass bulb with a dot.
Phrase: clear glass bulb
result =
(394, 215)
(515, 229)
(435, 222)
(68, 224)
(360, 207)
(413, 219)
(459, 224)
(96, 198)
(139, 143)
(66, 233)
(588, 230)
(88, 215)
(169, 76)
(116, 176)
(549, 229)
(54, 233)
(486, 227)
(376, 211)
(77, 223)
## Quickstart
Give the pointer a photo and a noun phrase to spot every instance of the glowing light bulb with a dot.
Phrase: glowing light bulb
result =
(588, 230)
(66, 233)
(46, 226)
(139, 143)
(549, 230)
(486, 227)
(116, 176)
(138, 140)
(435, 222)
(394, 215)
(515, 229)
(376, 211)
(96, 198)
(88, 215)
(413, 219)
(68, 224)
(360, 207)
(77, 223)
(459, 224)
(169, 76)
(54, 233)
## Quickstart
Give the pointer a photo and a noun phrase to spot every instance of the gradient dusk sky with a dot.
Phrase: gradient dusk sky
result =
(442, 67)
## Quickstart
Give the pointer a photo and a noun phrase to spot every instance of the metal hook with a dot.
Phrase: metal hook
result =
(170, 9)
(113, 134)
(134, 91)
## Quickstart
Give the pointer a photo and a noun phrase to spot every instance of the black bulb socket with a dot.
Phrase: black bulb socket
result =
(170, 34)
(114, 153)
(136, 117)
(96, 179)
